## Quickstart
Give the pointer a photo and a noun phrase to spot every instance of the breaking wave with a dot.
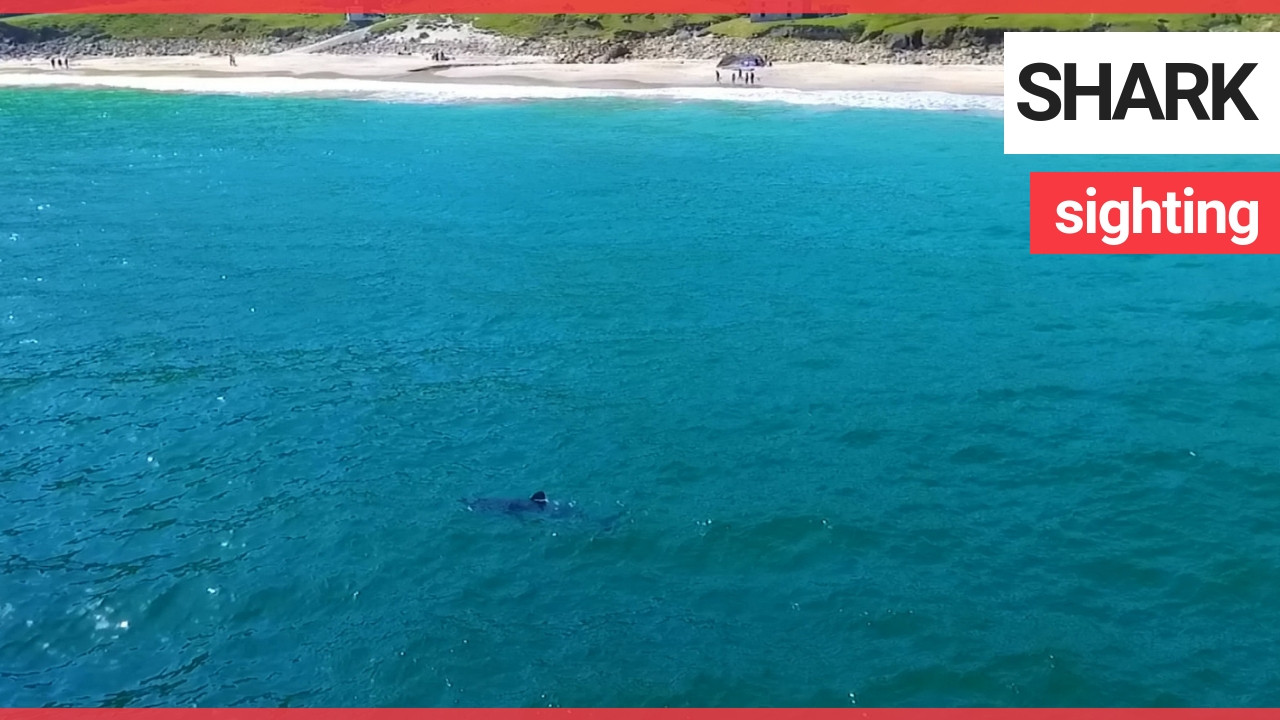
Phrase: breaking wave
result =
(439, 93)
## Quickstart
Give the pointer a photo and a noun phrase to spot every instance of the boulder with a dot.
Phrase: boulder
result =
(617, 52)
(900, 42)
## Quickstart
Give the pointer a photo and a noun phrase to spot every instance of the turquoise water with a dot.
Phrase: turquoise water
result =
(871, 451)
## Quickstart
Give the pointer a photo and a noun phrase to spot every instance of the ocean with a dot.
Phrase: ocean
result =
(867, 450)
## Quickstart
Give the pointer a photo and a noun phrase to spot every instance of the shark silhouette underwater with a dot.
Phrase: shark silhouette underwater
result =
(538, 506)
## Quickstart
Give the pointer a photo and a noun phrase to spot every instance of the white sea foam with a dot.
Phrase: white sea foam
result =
(440, 93)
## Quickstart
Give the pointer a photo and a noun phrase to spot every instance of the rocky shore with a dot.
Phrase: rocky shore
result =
(899, 50)
(19, 43)
(783, 44)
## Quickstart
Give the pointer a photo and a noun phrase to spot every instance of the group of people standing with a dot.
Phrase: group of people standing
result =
(741, 67)
(746, 75)
(62, 63)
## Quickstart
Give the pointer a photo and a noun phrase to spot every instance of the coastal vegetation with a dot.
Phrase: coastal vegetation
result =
(867, 26)
(163, 27)
(855, 27)
(606, 26)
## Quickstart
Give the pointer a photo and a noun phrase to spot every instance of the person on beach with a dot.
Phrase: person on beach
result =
(53, 63)
(717, 76)
(232, 58)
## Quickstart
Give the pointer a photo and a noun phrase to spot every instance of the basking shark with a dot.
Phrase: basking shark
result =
(535, 506)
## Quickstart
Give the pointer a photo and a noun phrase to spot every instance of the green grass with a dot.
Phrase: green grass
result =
(862, 26)
(605, 26)
(853, 27)
(212, 27)
(856, 26)
(389, 25)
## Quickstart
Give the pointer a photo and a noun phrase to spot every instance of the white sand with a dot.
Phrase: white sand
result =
(960, 79)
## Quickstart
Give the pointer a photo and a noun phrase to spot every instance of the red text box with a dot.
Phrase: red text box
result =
(1154, 213)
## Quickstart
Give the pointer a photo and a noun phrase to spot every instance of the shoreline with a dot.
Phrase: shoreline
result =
(400, 72)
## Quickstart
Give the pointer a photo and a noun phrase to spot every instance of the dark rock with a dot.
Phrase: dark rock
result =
(900, 42)
(941, 40)
(979, 37)
(814, 32)
(21, 36)
(617, 52)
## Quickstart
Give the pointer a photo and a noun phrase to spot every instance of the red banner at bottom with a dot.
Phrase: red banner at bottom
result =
(1154, 213)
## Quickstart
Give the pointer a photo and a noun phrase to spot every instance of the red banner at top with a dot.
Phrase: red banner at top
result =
(790, 7)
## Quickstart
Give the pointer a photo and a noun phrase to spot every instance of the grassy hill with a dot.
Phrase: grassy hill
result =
(853, 27)
(590, 25)
(208, 27)
(856, 26)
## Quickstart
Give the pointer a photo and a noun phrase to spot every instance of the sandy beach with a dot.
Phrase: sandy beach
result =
(985, 80)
